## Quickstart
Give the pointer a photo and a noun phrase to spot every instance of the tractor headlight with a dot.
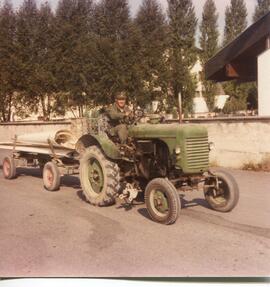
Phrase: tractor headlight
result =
(211, 146)
(177, 150)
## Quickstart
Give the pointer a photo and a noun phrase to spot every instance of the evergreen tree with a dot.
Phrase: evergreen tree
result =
(118, 46)
(209, 45)
(235, 20)
(73, 50)
(44, 78)
(7, 60)
(263, 7)
(151, 22)
(112, 18)
(235, 23)
(182, 52)
(26, 48)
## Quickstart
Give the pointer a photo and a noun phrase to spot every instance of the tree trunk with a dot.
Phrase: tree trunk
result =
(42, 98)
(49, 106)
(3, 115)
(9, 107)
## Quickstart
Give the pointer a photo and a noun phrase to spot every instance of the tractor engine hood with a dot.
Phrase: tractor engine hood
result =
(160, 131)
(187, 144)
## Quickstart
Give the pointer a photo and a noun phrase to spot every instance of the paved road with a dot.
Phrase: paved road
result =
(59, 234)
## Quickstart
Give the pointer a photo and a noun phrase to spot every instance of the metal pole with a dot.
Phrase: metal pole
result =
(180, 107)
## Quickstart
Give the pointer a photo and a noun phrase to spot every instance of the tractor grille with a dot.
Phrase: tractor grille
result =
(197, 151)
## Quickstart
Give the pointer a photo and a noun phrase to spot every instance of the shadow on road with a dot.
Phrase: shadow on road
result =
(81, 195)
(66, 180)
(194, 202)
(185, 204)
(144, 213)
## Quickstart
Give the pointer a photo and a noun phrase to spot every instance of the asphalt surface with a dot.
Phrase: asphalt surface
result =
(59, 234)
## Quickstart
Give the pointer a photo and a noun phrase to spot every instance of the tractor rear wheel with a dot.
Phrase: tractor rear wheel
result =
(9, 167)
(99, 177)
(162, 201)
(221, 191)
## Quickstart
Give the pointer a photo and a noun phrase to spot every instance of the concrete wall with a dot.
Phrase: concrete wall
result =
(237, 141)
(240, 143)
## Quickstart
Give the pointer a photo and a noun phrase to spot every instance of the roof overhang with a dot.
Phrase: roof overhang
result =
(238, 60)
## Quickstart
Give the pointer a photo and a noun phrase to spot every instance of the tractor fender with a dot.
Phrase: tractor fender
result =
(107, 146)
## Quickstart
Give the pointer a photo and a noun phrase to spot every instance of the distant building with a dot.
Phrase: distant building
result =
(200, 108)
(220, 97)
(246, 58)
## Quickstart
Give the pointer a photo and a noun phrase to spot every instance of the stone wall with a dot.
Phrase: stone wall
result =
(237, 142)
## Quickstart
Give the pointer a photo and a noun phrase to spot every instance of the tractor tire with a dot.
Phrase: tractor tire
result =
(9, 167)
(99, 177)
(51, 176)
(162, 201)
(224, 197)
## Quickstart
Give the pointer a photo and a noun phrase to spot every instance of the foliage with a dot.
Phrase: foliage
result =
(73, 51)
(27, 53)
(240, 94)
(150, 21)
(263, 7)
(118, 55)
(7, 60)
(182, 51)
(209, 45)
(86, 51)
(235, 20)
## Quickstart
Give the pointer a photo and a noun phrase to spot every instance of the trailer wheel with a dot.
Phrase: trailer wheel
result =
(9, 167)
(51, 176)
(162, 201)
(99, 177)
(221, 191)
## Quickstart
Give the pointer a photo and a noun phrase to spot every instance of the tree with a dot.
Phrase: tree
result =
(182, 52)
(118, 46)
(235, 20)
(235, 23)
(7, 60)
(26, 49)
(44, 78)
(263, 7)
(209, 45)
(73, 49)
(151, 23)
(36, 58)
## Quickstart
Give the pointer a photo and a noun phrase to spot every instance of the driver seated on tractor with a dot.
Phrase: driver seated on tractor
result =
(118, 113)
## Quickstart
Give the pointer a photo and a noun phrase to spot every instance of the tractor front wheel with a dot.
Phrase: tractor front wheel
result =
(162, 201)
(221, 191)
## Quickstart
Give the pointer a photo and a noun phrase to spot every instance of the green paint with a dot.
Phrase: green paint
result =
(109, 148)
(192, 140)
(95, 175)
(160, 202)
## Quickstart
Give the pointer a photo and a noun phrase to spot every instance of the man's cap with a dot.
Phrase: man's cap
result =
(120, 96)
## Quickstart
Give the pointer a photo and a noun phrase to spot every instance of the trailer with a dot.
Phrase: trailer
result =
(52, 152)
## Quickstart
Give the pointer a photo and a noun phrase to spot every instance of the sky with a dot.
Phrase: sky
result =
(198, 4)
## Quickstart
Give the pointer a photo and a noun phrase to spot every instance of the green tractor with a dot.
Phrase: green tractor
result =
(161, 160)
